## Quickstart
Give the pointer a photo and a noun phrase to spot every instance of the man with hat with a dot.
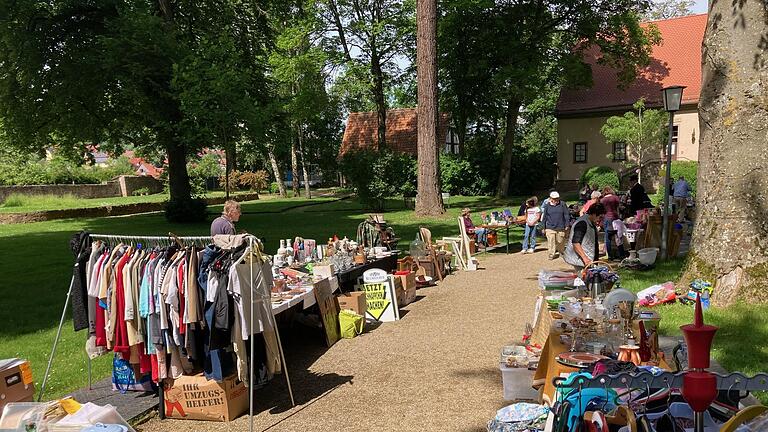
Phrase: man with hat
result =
(555, 218)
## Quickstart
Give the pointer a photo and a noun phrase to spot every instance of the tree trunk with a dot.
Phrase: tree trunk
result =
(505, 172)
(294, 169)
(300, 134)
(231, 154)
(276, 171)
(731, 236)
(380, 100)
(430, 200)
(178, 178)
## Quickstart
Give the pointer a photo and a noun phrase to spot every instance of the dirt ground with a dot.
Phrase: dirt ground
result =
(434, 370)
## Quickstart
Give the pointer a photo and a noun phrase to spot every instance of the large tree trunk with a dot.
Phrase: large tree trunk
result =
(276, 171)
(304, 171)
(231, 154)
(380, 100)
(731, 236)
(505, 172)
(178, 178)
(294, 169)
(430, 201)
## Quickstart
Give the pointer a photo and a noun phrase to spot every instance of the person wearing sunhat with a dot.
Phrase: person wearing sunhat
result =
(555, 218)
(481, 234)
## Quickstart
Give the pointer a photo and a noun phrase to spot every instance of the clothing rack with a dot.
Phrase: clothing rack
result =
(261, 288)
(645, 379)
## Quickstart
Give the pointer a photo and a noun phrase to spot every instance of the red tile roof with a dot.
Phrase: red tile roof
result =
(677, 61)
(362, 131)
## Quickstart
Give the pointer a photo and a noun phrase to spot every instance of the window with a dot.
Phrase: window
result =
(619, 152)
(580, 152)
(452, 142)
(674, 141)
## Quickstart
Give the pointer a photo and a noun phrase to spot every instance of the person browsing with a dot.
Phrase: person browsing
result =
(681, 191)
(532, 217)
(225, 224)
(593, 199)
(583, 247)
(611, 204)
(481, 234)
(555, 218)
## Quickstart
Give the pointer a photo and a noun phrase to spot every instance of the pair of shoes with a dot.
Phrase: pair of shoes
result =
(525, 251)
(551, 257)
(531, 250)
(557, 255)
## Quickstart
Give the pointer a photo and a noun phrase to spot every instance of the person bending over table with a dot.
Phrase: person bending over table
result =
(481, 234)
(582, 248)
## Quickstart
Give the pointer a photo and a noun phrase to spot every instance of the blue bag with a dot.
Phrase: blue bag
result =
(124, 378)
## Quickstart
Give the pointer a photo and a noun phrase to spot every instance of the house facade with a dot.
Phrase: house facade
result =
(361, 132)
(581, 113)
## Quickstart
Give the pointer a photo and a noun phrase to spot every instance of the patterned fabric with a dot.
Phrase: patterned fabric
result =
(519, 417)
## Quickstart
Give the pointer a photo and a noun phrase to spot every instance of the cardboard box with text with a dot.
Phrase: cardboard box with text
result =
(197, 398)
(16, 384)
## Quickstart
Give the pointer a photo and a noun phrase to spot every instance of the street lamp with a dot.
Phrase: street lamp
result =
(673, 97)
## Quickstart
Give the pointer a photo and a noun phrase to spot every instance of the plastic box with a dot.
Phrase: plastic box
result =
(517, 383)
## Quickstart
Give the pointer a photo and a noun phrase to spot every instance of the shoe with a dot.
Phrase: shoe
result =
(531, 250)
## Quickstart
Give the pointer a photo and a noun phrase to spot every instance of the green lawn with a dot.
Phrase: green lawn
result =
(36, 266)
(741, 343)
(26, 203)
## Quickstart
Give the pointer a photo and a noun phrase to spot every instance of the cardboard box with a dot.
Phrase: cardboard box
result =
(323, 271)
(16, 383)
(197, 398)
(408, 285)
(354, 301)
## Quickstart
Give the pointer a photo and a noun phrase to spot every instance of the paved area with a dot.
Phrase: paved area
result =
(434, 370)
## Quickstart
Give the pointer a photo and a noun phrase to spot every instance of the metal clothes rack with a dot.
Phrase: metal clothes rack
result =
(262, 289)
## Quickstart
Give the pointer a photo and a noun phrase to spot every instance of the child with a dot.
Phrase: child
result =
(532, 217)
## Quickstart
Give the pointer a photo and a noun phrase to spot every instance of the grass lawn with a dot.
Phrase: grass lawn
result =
(740, 345)
(36, 266)
(27, 203)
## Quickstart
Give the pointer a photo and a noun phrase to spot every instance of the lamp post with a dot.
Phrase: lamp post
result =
(673, 97)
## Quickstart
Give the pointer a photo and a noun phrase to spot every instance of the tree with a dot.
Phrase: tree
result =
(643, 133)
(370, 36)
(666, 9)
(430, 202)
(125, 72)
(730, 237)
(495, 68)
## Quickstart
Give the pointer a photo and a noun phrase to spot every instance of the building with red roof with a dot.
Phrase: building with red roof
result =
(582, 112)
(362, 132)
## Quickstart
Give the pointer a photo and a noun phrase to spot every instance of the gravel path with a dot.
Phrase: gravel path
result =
(434, 370)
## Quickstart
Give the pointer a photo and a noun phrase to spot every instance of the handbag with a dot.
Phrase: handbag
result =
(350, 324)
(124, 377)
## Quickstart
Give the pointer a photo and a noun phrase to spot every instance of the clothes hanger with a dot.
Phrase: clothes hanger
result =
(744, 416)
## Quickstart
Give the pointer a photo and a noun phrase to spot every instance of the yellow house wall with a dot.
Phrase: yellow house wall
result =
(587, 129)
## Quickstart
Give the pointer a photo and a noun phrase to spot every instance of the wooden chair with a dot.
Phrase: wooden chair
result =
(437, 258)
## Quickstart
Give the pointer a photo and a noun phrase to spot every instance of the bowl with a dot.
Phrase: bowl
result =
(647, 256)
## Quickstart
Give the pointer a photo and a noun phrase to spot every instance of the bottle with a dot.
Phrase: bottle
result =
(281, 249)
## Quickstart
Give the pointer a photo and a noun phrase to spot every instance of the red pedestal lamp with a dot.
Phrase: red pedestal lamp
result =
(699, 385)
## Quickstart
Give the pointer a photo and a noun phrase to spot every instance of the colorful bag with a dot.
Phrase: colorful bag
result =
(351, 324)
(124, 378)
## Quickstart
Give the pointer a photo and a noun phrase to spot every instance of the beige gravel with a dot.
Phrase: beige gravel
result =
(434, 370)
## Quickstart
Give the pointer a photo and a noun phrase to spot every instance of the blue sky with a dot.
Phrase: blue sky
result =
(700, 6)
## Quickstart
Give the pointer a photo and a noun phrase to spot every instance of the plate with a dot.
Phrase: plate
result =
(615, 296)
(578, 359)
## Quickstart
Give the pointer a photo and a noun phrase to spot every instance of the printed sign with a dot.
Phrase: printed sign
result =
(381, 301)
(374, 276)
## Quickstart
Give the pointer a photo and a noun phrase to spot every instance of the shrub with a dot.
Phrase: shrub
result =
(141, 192)
(687, 169)
(234, 177)
(274, 188)
(255, 181)
(602, 176)
(463, 175)
(186, 211)
(378, 175)
(208, 167)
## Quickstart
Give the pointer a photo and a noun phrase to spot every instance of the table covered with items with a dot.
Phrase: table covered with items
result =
(598, 367)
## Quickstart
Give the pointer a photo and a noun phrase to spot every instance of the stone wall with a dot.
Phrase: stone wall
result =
(104, 190)
(129, 184)
(122, 186)
(115, 210)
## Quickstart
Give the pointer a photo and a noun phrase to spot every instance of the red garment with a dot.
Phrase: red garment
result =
(155, 368)
(182, 326)
(101, 321)
(121, 328)
(611, 203)
(145, 363)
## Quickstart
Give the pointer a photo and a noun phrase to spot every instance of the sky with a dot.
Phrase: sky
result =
(700, 6)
